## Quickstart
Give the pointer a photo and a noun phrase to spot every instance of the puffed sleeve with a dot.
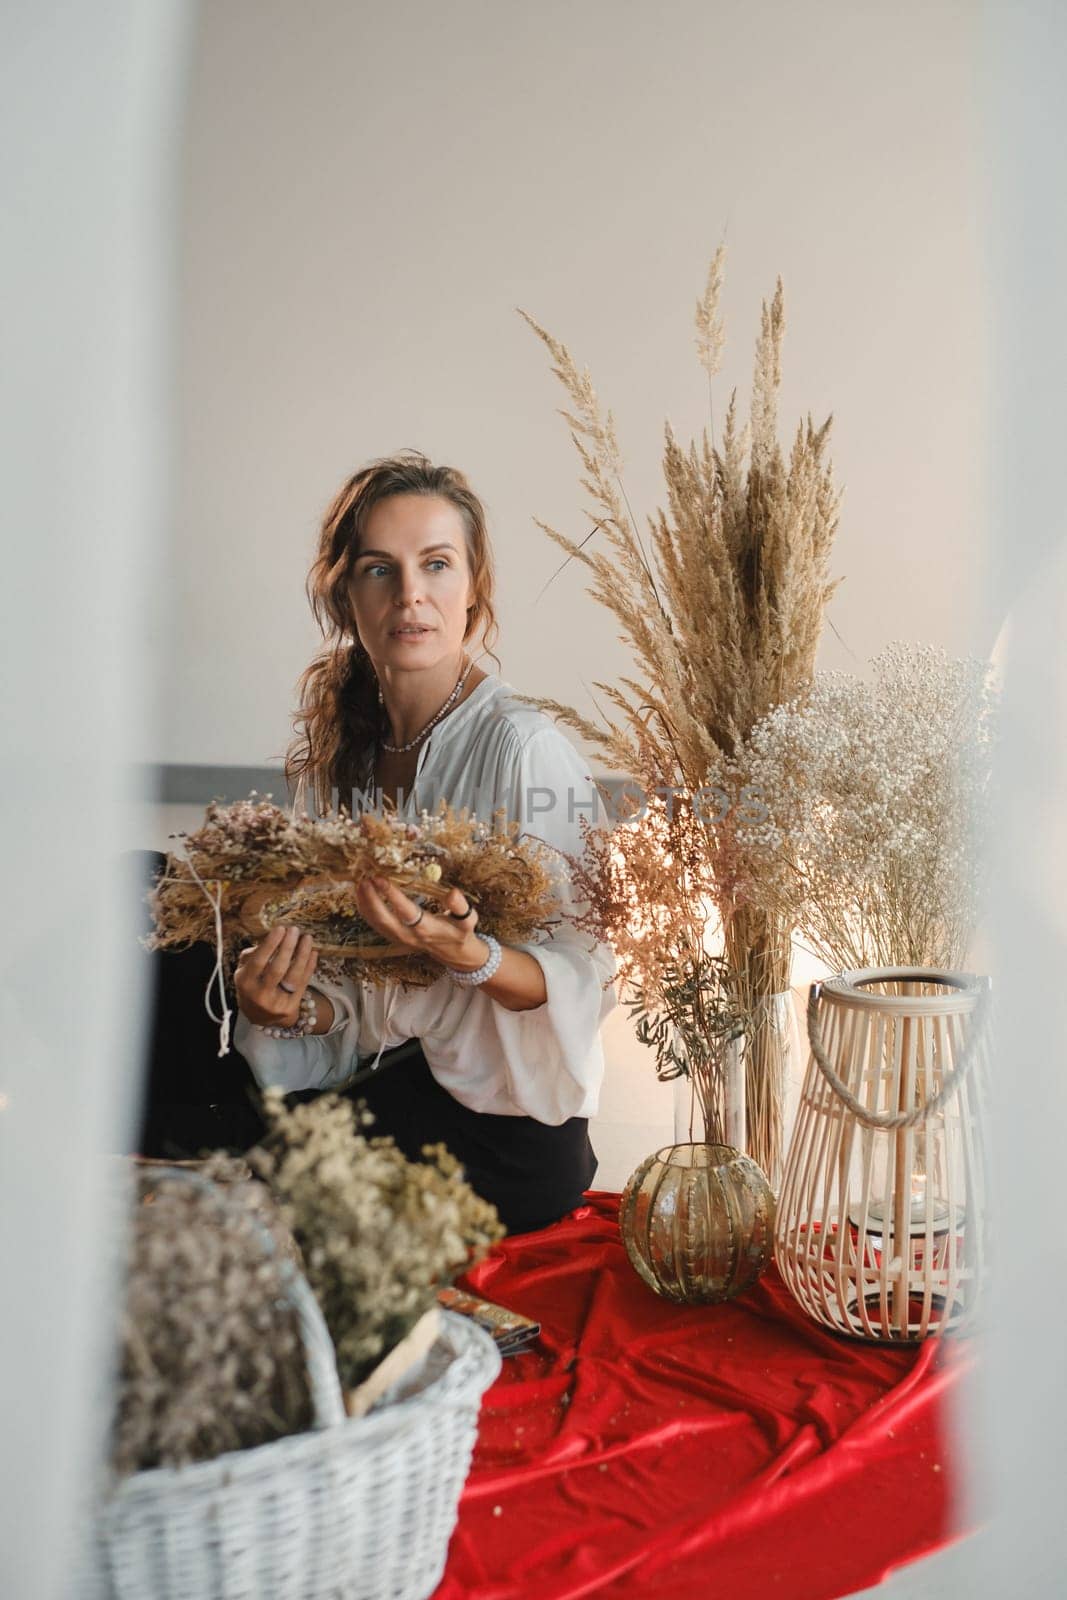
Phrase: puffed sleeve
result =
(319, 1060)
(553, 1056)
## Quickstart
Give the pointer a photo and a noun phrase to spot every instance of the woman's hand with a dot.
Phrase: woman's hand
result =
(446, 935)
(284, 956)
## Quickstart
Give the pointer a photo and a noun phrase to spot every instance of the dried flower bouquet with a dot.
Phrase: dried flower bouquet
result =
(210, 1354)
(379, 1234)
(640, 884)
(878, 808)
(723, 622)
(259, 865)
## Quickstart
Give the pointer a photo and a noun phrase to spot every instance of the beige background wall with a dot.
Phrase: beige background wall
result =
(370, 193)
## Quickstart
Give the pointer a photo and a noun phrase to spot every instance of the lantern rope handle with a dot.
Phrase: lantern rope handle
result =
(900, 1119)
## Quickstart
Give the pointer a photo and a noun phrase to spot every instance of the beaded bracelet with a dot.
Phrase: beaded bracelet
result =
(482, 974)
(305, 1024)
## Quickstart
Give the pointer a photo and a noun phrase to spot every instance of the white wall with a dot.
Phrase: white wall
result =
(1016, 1408)
(90, 99)
(371, 191)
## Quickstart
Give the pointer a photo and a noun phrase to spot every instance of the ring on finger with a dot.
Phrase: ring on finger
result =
(418, 919)
(286, 986)
(461, 916)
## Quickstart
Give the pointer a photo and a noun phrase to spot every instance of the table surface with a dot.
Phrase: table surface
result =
(645, 1448)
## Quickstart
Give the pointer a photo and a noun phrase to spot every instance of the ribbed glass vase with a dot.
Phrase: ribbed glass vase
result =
(697, 1221)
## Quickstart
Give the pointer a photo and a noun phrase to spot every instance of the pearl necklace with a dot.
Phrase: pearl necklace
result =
(399, 749)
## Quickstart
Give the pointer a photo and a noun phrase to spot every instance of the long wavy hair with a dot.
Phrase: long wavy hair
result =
(340, 718)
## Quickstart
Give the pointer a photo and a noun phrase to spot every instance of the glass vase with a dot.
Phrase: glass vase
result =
(711, 1101)
(697, 1221)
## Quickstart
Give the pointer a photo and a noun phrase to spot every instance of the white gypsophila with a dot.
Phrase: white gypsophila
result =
(877, 800)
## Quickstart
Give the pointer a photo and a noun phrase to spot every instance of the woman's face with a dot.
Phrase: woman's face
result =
(411, 583)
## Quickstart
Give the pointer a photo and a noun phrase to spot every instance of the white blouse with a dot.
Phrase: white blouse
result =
(546, 1062)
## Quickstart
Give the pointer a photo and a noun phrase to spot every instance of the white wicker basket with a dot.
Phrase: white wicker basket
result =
(359, 1509)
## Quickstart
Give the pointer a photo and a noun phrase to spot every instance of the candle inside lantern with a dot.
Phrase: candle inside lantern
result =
(918, 1194)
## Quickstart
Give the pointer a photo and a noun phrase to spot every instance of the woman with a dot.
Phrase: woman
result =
(507, 1062)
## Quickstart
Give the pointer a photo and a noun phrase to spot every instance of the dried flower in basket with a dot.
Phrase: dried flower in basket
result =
(211, 1357)
(379, 1234)
(252, 865)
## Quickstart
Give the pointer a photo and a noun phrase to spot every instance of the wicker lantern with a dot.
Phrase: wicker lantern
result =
(881, 1217)
(697, 1221)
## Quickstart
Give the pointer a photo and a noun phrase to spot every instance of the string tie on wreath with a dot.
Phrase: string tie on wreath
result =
(392, 990)
(215, 901)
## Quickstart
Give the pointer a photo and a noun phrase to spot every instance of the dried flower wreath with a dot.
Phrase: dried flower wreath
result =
(252, 865)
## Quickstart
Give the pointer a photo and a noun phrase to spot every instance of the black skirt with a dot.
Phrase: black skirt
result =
(194, 1100)
(532, 1172)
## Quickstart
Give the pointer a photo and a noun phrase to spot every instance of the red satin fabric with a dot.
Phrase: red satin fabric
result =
(645, 1449)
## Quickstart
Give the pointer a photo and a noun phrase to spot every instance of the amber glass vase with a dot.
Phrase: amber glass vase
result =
(697, 1221)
